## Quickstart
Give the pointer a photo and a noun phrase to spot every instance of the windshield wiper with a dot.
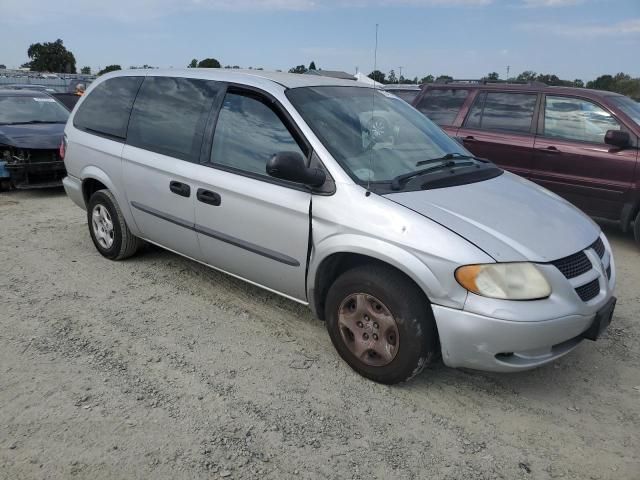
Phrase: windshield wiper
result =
(448, 156)
(33, 122)
(397, 182)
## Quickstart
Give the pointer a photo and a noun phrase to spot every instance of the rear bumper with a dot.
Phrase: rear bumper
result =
(483, 343)
(73, 187)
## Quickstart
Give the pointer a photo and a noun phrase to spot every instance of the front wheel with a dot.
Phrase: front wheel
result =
(109, 232)
(381, 324)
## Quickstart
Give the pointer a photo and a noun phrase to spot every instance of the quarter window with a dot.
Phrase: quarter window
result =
(107, 108)
(575, 119)
(511, 112)
(170, 114)
(442, 105)
(248, 134)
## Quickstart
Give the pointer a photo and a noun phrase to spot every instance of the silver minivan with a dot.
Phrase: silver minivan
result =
(406, 244)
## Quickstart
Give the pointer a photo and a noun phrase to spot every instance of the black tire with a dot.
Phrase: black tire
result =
(125, 244)
(636, 228)
(416, 326)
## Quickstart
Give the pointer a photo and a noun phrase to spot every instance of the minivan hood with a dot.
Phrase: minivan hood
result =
(508, 217)
(39, 135)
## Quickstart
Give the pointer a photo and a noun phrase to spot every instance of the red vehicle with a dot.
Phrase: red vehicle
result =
(581, 144)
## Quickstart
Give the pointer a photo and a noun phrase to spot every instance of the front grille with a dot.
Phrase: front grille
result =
(588, 291)
(598, 246)
(573, 265)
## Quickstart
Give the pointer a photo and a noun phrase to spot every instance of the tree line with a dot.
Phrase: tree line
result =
(56, 58)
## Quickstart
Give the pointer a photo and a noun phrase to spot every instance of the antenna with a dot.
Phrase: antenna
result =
(373, 105)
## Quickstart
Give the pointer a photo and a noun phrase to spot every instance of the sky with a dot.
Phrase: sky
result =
(462, 38)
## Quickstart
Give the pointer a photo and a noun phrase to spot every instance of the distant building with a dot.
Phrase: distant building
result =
(331, 74)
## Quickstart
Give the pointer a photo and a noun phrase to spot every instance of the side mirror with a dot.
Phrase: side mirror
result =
(291, 166)
(617, 138)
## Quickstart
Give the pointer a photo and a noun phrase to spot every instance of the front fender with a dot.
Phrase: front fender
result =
(446, 292)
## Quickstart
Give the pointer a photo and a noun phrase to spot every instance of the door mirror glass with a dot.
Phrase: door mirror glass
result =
(291, 166)
(617, 138)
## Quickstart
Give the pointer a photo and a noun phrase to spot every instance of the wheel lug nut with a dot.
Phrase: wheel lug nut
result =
(375, 325)
(365, 336)
(366, 318)
(360, 324)
(375, 337)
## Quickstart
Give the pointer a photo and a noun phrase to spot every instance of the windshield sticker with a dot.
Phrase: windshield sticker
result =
(48, 100)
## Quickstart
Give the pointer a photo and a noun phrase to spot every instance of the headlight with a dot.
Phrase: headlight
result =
(508, 281)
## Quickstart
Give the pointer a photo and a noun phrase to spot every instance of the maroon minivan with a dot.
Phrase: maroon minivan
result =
(581, 144)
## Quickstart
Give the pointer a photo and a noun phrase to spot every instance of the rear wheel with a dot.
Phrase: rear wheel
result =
(381, 323)
(109, 232)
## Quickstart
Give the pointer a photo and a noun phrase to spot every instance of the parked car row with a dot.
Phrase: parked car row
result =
(404, 242)
(581, 144)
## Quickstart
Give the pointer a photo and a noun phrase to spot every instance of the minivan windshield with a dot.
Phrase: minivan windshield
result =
(379, 139)
(23, 109)
(628, 106)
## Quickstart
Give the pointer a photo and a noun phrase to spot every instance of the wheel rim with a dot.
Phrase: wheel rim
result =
(368, 329)
(102, 226)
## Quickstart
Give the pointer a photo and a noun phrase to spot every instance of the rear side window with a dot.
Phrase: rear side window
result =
(576, 119)
(406, 95)
(248, 134)
(170, 114)
(511, 112)
(442, 105)
(107, 108)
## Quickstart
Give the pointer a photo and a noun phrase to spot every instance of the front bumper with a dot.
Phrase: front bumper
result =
(483, 343)
(36, 174)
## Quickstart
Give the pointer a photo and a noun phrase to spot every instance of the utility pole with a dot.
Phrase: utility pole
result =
(400, 76)
(508, 68)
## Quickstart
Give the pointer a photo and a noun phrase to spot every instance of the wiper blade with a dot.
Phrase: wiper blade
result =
(32, 122)
(397, 182)
(448, 156)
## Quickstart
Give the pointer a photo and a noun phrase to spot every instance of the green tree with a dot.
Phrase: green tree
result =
(427, 79)
(493, 76)
(527, 76)
(298, 69)
(578, 83)
(193, 63)
(312, 65)
(85, 70)
(377, 76)
(444, 79)
(3, 66)
(50, 57)
(109, 68)
(209, 63)
(392, 77)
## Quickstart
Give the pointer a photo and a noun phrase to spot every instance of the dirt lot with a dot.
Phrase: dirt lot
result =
(158, 367)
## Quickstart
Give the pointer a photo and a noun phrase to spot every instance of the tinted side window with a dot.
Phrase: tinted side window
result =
(576, 119)
(170, 114)
(107, 108)
(406, 95)
(511, 112)
(248, 134)
(442, 105)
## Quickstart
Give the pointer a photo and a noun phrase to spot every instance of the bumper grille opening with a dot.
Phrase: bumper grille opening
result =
(609, 272)
(588, 291)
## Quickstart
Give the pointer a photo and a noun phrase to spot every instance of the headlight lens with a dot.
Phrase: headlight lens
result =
(507, 281)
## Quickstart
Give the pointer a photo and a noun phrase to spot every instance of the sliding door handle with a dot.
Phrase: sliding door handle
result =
(208, 197)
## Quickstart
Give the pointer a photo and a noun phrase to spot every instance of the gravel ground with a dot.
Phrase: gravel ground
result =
(158, 367)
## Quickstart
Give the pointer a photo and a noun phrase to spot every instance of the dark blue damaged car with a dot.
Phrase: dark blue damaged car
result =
(31, 131)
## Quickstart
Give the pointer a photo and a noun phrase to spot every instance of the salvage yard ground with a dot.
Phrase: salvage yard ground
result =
(158, 367)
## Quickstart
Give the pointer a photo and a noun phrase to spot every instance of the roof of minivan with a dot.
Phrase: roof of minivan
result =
(287, 80)
(527, 87)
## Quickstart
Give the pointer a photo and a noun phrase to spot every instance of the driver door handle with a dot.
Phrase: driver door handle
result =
(549, 149)
(180, 188)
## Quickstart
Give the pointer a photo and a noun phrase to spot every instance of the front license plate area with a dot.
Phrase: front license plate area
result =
(601, 321)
